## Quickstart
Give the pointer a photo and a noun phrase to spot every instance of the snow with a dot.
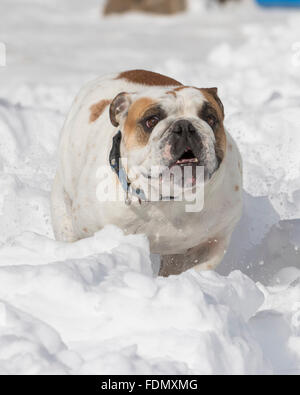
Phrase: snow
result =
(94, 306)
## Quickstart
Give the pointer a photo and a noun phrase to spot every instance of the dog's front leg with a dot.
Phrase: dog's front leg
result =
(206, 256)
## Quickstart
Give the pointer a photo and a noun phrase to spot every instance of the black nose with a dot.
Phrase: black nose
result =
(183, 127)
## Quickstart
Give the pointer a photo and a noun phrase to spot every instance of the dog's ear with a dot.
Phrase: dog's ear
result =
(214, 93)
(119, 107)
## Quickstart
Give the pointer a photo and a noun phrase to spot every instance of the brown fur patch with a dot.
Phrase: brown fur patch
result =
(176, 264)
(220, 132)
(236, 188)
(148, 78)
(97, 109)
(209, 97)
(134, 135)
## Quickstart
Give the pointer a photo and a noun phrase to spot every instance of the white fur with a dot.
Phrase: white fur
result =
(85, 146)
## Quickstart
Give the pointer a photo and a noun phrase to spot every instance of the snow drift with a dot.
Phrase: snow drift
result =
(95, 306)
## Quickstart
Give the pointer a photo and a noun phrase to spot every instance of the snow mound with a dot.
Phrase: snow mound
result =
(29, 346)
(95, 307)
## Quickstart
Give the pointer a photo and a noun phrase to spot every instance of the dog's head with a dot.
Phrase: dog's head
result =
(161, 127)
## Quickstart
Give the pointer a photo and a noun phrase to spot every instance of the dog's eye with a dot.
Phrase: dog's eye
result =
(152, 122)
(211, 120)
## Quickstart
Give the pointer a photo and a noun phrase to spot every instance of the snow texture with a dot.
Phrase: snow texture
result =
(94, 306)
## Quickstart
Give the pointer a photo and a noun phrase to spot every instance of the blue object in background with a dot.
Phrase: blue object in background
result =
(281, 3)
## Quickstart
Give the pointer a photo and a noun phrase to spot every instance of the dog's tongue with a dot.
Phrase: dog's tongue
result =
(187, 177)
(190, 179)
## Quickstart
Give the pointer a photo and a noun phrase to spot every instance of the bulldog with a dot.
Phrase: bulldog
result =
(129, 130)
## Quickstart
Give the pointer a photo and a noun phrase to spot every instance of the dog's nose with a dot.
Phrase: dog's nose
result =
(183, 127)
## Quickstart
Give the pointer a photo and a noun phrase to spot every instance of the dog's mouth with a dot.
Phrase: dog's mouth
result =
(187, 177)
(187, 158)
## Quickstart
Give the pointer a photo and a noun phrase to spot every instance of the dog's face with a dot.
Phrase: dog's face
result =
(182, 127)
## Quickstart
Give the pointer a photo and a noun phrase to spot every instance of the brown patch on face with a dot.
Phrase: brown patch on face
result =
(236, 188)
(134, 135)
(219, 132)
(211, 99)
(97, 109)
(148, 78)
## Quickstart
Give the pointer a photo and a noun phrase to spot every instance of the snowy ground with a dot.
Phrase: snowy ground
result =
(94, 306)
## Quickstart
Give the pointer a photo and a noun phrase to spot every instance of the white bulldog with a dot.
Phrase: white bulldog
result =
(129, 130)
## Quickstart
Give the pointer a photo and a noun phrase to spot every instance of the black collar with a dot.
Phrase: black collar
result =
(116, 165)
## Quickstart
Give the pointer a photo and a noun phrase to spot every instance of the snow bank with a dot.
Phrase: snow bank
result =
(29, 346)
(94, 306)
(100, 296)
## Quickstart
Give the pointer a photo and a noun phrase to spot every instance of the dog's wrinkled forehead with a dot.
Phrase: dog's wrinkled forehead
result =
(137, 114)
(178, 101)
(189, 97)
(134, 104)
(185, 97)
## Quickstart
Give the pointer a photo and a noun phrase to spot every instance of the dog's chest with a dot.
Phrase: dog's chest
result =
(168, 226)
